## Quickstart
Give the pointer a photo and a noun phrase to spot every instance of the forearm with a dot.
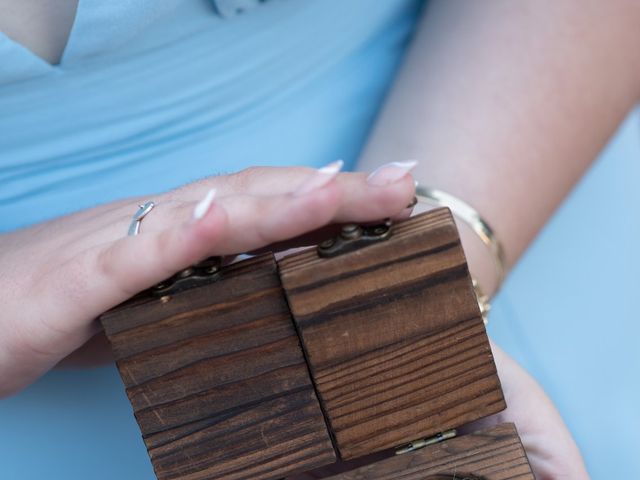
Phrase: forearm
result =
(505, 104)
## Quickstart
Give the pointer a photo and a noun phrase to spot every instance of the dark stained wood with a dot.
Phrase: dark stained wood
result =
(218, 381)
(495, 453)
(393, 336)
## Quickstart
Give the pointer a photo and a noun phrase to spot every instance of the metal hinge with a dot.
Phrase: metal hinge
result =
(199, 274)
(423, 442)
(353, 237)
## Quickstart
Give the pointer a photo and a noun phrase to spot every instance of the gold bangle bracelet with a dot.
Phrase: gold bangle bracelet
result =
(473, 219)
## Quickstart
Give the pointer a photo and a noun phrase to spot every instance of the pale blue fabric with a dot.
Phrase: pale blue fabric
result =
(569, 312)
(152, 94)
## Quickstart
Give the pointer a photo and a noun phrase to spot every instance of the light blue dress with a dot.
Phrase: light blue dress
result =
(151, 94)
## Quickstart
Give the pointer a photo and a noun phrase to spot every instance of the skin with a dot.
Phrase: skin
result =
(42, 26)
(504, 103)
(82, 264)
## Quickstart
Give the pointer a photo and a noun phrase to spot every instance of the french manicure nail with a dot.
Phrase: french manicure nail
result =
(204, 205)
(319, 178)
(390, 172)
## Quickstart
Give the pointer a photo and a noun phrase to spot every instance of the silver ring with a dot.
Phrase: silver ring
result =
(136, 220)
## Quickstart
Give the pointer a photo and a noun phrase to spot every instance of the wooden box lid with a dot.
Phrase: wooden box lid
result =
(217, 379)
(393, 335)
(494, 453)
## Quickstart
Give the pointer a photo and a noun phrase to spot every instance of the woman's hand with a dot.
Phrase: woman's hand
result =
(57, 277)
(552, 452)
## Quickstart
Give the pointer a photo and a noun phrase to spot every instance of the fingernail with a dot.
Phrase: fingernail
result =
(204, 205)
(390, 172)
(319, 178)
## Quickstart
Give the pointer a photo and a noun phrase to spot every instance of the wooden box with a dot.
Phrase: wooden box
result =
(494, 453)
(217, 378)
(372, 341)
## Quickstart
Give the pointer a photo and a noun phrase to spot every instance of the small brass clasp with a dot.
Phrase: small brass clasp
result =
(199, 274)
(423, 442)
(353, 236)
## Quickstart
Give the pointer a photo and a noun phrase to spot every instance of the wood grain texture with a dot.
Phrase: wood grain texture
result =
(495, 453)
(394, 337)
(218, 381)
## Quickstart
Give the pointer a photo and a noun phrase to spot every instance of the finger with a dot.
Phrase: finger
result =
(103, 276)
(286, 219)
(361, 199)
(369, 202)
(112, 220)
(389, 185)
(316, 237)
(256, 222)
(251, 181)
(272, 221)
